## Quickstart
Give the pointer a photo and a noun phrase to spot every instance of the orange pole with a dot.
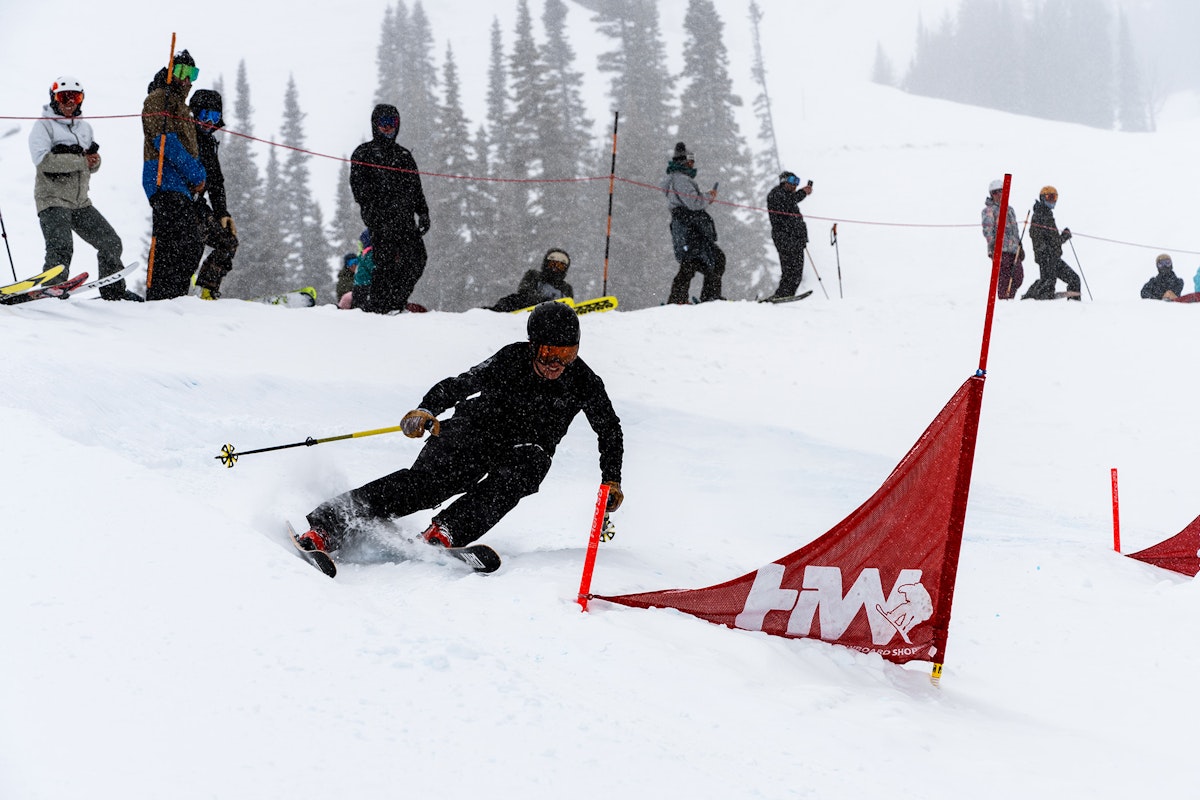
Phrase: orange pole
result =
(162, 147)
(1116, 513)
(589, 561)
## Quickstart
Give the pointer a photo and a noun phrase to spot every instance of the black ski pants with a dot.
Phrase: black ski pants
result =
(712, 269)
(1051, 273)
(178, 245)
(59, 226)
(491, 477)
(400, 259)
(224, 246)
(791, 264)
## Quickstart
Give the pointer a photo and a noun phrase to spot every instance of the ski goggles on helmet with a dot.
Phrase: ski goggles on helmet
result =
(1050, 196)
(388, 124)
(793, 180)
(185, 72)
(209, 116)
(549, 354)
(74, 98)
(559, 259)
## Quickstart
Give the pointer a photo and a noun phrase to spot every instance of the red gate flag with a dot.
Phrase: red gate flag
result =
(880, 581)
(1180, 553)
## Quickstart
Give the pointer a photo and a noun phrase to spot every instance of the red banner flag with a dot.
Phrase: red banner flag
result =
(1180, 553)
(882, 580)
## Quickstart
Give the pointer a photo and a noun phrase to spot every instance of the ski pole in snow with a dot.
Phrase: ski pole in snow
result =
(612, 178)
(600, 525)
(1085, 283)
(10, 261)
(837, 252)
(229, 456)
(813, 264)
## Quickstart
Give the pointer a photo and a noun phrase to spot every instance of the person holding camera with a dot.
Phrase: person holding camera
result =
(693, 232)
(66, 155)
(788, 231)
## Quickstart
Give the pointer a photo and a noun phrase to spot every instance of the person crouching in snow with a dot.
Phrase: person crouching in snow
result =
(1166, 285)
(511, 411)
(540, 285)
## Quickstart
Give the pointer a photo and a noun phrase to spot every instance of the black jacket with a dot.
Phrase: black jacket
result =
(1160, 284)
(214, 182)
(787, 230)
(1043, 232)
(391, 197)
(516, 406)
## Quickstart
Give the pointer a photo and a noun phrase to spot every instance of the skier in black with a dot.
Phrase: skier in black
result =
(387, 188)
(511, 411)
(540, 285)
(1047, 250)
(788, 230)
(220, 232)
(1166, 285)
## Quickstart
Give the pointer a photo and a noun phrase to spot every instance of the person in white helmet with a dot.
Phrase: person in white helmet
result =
(66, 155)
(1012, 255)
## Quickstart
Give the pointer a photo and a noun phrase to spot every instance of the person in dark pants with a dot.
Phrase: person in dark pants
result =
(1012, 255)
(387, 187)
(1047, 250)
(693, 233)
(1166, 285)
(789, 232)
(178, 241)
(66, 155)
(216, 225)
(511, 411)
(540, 285)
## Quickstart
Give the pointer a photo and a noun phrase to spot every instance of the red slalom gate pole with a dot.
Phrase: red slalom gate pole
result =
(589, 562)
(1116, 513)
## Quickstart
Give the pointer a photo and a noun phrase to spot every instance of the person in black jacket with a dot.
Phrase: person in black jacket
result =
(510, 412)
(387, 187)
(1166, 285)
(540, 285)
(788, 230)
(220, 232)
(1047, 250)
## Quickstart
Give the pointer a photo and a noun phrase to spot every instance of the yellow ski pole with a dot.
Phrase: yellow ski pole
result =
(229, 456)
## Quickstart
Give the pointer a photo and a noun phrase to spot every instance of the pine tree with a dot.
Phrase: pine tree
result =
(390, 54)
(883, 72)
(244, 192)
(1133, 108)
(418, 102)
(707, 124)
(306, 254)
(641, 261)
(767, 162)
(521, 203)
(346, 224)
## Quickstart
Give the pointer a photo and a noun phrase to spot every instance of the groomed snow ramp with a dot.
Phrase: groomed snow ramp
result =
(880, 581)
(1180, 553)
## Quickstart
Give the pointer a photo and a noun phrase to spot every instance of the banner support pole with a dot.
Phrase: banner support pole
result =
(589, 561)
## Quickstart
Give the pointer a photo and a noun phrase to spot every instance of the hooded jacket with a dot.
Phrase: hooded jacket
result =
(988, 219)
(391, 197)
(1043, 232)
(62, 177)
(166, 112)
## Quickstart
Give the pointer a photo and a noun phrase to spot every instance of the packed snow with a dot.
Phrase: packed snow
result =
(163, 639)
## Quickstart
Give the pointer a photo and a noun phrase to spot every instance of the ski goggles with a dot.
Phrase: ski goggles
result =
(562, 260)
(209, 117)
(73, 98)
(185, 72)
(1051, 197)
(793, 180)
(548, 354)
(388, 124)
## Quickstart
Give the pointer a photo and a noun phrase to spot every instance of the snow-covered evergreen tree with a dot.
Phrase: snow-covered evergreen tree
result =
(306, 254)
(244, 192)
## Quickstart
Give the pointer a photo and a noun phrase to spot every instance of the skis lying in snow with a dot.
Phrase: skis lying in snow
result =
(37, 281)
(606, 303)
(788, 299)
(479, 557)
(301, 298)
(61, 290)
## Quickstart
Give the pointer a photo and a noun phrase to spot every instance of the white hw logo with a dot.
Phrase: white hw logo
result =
(907, 606)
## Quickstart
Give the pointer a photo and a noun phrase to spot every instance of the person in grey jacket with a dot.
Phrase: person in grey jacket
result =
(693, 233)
(65, 155)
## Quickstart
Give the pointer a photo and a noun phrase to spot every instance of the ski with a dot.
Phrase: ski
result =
(318, 558)
(110, 279)
(41, 279)
(478, 557)
(606, 303)
(61, 290)
(788, 299)
(301, 298)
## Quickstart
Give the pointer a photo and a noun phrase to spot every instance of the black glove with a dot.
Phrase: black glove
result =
(93, 148)
(422, 224)
(1066, 234)
(67, 149)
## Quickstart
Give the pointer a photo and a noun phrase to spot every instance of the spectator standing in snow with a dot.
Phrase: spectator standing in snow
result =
(216, 225)
(178, 240)
(65, 155)
(1166, 285)
(510, 412)
(1012, 255)
(1047, 250)
(693, 233)
(387, 187)
(540, 285)
(789, 232)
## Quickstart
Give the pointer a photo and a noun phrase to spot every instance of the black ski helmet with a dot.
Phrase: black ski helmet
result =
(554, 324)
(206, 100)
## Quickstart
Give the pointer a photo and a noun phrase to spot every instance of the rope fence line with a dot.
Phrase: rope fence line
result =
(590, 179)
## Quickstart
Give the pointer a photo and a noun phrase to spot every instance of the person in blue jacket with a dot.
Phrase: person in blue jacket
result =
(167, 123)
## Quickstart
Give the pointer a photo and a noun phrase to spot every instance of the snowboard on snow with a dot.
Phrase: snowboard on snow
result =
(606, 303)
(61, 290)
(479, 557)
(789, 299)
